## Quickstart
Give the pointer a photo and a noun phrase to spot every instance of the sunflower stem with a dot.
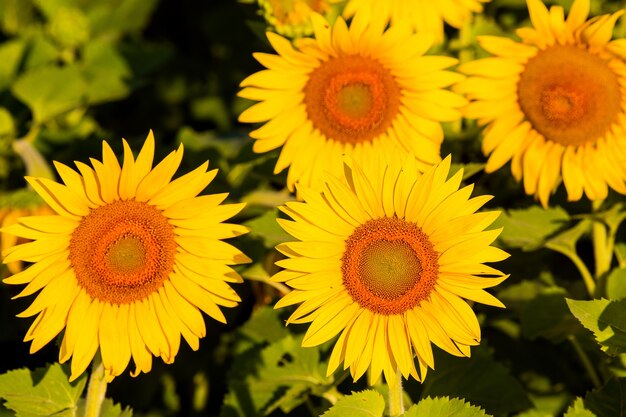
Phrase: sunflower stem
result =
(602, 252)
(96, 389)
(396, 398)
(586, 362)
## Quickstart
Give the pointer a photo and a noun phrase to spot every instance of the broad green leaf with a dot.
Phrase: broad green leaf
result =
(608, 401)
(444, 407)
(479, 380)
(7, 125)
(577, 409)
(68, 26)
(548, 317)
(616, 284)
(11, 53)
(565, 242)
(281, 375)
(534, 413)
(528, 228)
(367, 403)
(606, 319)
(109, 409)
(41, 52)
(15, 15)
(105, 72)
(264, 325)
(267, 229)
(115, 17)
(50, 91)
(43, 392)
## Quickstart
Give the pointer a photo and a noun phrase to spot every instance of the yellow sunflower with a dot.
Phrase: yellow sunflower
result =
(292, 18)
(554, 104)
(385, 259)
(128, 261)
(425, 16)
(359, 90)
(13, 206)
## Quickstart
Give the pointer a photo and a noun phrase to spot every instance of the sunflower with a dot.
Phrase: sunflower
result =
(13, 206)
(425, 16)
(360, 90)
(554, 104)
(292, 18)
(128, 261)
(385, 259)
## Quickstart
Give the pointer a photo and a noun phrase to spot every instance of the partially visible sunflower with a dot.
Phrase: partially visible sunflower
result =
(555, 103)
(424, 16)
(385, 259)
(292, 18)
(360, 90)
(18, 204)
(128, 261)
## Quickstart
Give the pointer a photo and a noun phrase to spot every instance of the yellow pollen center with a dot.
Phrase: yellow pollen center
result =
(351, 98)
(126, 255)
(389, 269)
(389, 265)
(570, 95)
(354, 100)
(123, 251)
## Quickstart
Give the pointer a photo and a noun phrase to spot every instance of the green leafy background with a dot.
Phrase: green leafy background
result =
(74, 72)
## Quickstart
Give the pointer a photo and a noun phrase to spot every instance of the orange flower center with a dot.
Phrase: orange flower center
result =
(570, 95)
(351, 98)
(389, 265)
(123, 251)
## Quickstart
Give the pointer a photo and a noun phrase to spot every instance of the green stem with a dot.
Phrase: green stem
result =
(396, 398)
(96, 389)
(590, 283)
(584, 358)
(602, 252)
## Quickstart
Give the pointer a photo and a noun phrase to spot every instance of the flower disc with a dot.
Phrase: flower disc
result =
(133, 248)
(352, 99)
(570, 107)
(389, 265)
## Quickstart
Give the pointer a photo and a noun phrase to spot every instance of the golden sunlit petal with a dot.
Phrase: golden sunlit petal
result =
(107, 268)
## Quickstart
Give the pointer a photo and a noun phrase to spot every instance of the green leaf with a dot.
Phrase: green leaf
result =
(10, 56)
(547, 316)
(50, 91)
(267, 229)
(105, 71)
(444, 407)
(120, 16)
(565, 242)
(280, 375)
(264, 326)
(606, 319)
(43, 392)
(367, 403)
(608, 401)
(7, 125)
(616, 284)
(578, 410)
(528, 228)
(479, 379)
(109, 409)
